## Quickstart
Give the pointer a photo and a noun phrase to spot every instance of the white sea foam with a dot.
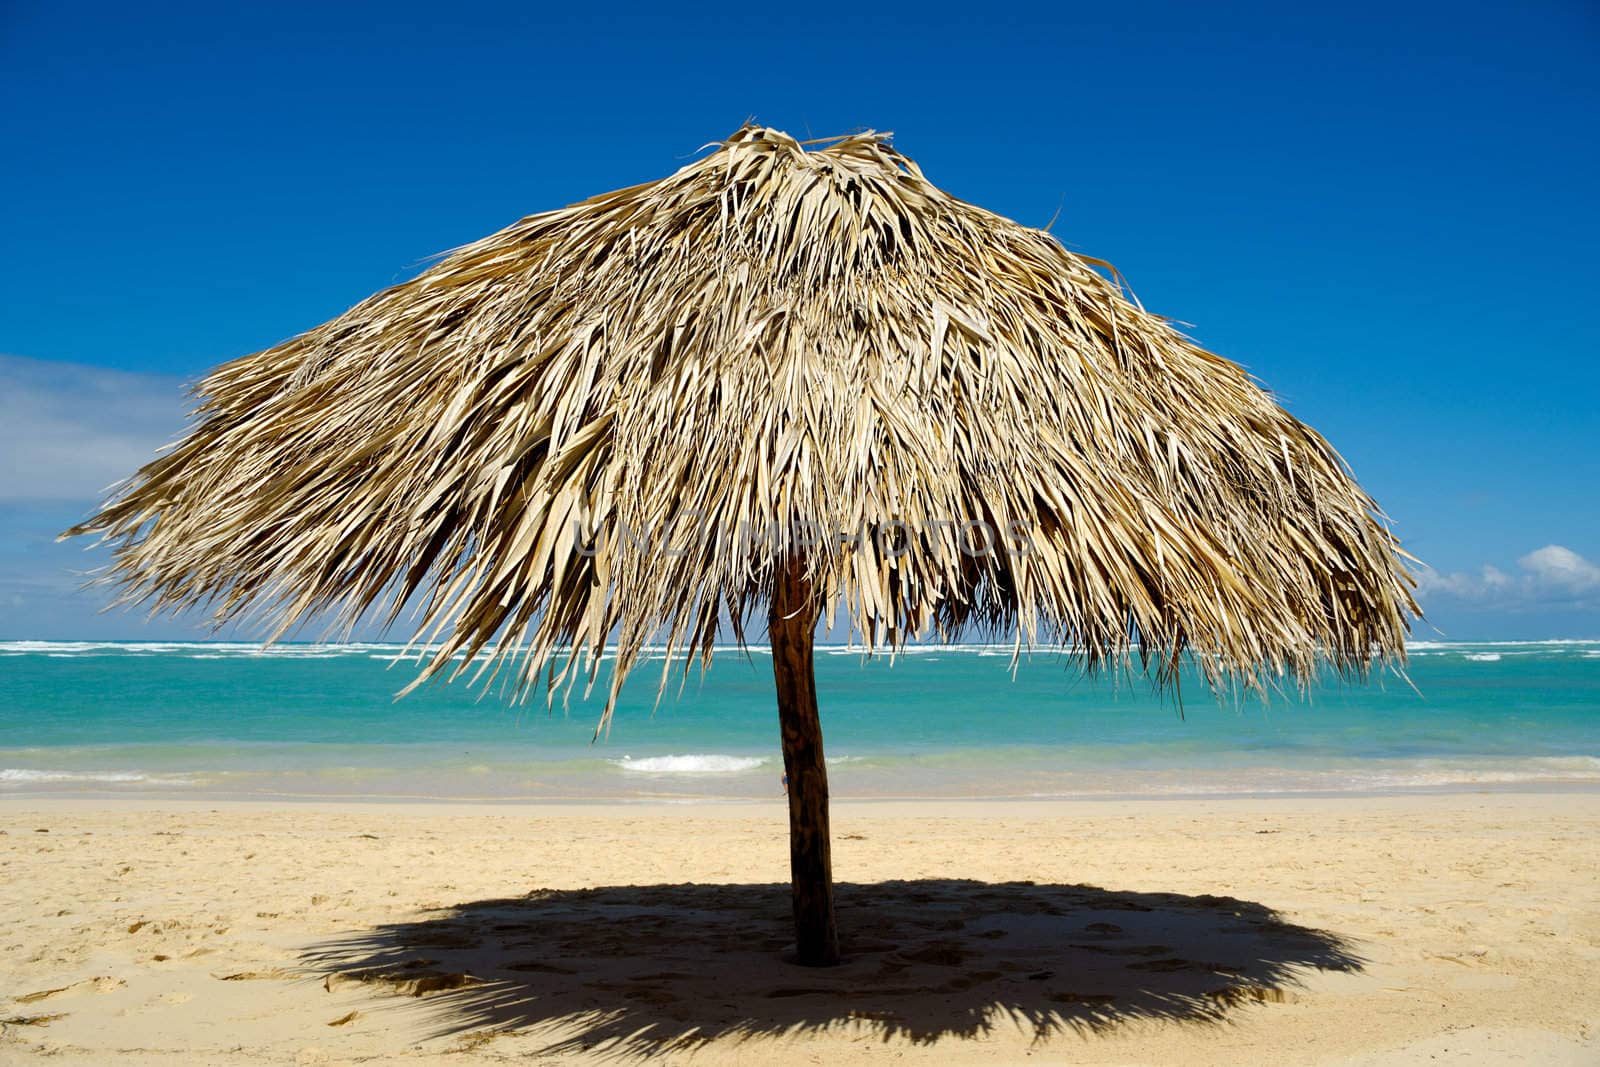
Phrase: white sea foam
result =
(691, 764)
(189, 649)
(394, 650)
(1436, 772)
(1483, 657)
(1383, 776)
(1453, 646)
(27, 775)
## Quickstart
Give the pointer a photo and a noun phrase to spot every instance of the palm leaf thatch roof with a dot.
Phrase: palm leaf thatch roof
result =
(772, 338)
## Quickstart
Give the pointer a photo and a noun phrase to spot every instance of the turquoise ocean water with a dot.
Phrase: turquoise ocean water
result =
(233, 720)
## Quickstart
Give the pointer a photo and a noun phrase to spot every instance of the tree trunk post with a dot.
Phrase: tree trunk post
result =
(791, 628)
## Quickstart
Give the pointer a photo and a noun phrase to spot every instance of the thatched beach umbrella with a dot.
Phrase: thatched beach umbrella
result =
(808, 381)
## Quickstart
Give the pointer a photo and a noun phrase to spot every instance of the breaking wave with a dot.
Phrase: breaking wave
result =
(692, 764)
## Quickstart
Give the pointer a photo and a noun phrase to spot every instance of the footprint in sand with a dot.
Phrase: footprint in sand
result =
(102, 984)
(254, 976)
(1247, 994)
(30, 1020)
(409, 983)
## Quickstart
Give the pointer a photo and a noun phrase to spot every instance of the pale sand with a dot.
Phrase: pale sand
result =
(1460, 928)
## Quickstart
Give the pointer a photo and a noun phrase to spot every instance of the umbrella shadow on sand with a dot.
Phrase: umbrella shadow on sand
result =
(640, 970)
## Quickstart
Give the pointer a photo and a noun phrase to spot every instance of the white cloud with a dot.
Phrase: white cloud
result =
(68, 432)
(1561, 569)
(1552, 576)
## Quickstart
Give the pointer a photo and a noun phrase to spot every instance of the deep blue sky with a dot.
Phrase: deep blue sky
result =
(1387, 213)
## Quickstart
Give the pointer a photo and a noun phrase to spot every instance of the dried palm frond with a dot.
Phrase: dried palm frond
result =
(770, 347)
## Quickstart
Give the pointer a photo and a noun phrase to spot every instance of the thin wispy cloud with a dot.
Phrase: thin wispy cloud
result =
(68, 432)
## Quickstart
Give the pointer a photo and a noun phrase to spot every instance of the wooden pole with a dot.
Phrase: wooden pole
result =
(791, 628)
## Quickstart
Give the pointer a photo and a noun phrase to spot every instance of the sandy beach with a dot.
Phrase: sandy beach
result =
(1344, 930)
